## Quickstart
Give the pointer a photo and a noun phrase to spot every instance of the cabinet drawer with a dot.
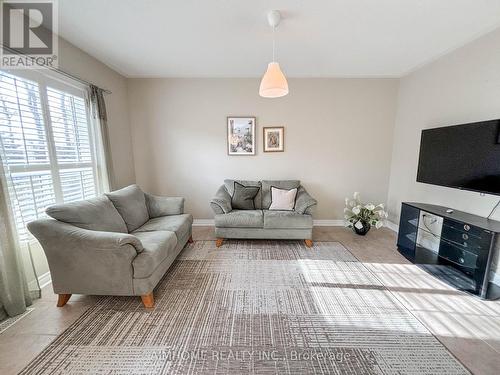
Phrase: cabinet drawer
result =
(469, 230)
(467, 241)
(460, 257)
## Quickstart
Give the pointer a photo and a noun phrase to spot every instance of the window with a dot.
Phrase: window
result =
(47, 143)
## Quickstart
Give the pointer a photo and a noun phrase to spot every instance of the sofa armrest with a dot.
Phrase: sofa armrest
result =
(84, 261)
(164, 206)
(221, 202)
(304, 203)
(56, 232)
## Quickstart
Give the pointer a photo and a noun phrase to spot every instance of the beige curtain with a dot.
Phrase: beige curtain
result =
(103, 148)
(14, 293)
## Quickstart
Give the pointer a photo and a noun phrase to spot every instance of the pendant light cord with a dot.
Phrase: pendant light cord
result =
(274, 43)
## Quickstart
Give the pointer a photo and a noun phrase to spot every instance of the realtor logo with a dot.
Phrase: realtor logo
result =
(29, 34)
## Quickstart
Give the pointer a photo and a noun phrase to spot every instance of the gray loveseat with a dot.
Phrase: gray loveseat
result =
(121, 243)
(260, 222)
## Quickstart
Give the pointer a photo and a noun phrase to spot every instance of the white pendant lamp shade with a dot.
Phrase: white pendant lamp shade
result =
(273, 84)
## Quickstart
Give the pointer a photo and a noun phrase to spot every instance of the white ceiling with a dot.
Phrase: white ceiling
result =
(231, 38)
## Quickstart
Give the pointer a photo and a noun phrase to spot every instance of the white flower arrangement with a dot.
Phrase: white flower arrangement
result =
(358, 214)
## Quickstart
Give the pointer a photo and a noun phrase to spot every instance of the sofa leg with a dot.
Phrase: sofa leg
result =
(148, 300)
(190, 240)
(309, 243)
(219, 241)
(62, 299)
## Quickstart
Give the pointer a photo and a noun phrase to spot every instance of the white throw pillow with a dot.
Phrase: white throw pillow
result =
(282, 199)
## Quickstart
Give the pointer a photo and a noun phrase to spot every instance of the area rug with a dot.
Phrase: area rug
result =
(253, 307)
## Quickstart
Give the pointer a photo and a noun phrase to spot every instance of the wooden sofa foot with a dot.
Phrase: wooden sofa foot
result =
(219, 241)
(309, 243)
(190, 240)
(148, 300)
(62, 299)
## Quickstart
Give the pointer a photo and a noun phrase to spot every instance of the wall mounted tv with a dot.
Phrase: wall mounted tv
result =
(462, 156)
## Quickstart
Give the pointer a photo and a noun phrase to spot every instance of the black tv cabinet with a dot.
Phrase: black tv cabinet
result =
(463, 251)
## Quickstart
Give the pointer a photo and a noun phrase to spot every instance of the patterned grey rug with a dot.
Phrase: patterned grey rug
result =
(259, 307)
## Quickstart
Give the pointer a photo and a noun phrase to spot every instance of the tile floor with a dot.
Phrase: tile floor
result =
(467, 326)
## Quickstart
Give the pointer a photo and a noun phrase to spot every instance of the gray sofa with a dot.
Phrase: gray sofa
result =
(120, 244)
(261, 222)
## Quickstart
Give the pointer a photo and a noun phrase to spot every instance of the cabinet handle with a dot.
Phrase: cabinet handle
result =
(467, 227)
(461, 260)
(465, 236)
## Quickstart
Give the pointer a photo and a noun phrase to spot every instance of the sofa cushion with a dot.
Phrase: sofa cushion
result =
(157, 246)
(163, 206)
(286, 220)
(280, 184)
(282, 199)
(240, 219)
(131, 204)
(243, 196)
(180, 224)
(258, 198)
(93, 214)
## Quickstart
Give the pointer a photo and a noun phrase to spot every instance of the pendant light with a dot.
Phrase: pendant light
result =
(273, 84)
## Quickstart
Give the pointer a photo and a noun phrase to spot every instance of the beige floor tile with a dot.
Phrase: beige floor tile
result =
(476, 355)
(203, 233)
(47, 319)
(460, 325)
(17, 351)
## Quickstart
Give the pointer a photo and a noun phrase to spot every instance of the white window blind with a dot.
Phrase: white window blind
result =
(47, 145)
(69, 127)
(22, 125)
(71, 135)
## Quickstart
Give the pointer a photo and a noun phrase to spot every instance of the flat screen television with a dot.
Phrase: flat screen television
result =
(462, 156)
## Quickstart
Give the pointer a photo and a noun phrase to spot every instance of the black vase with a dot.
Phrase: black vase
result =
(365, 229)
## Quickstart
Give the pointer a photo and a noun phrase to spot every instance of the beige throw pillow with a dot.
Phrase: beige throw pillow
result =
(282, 199)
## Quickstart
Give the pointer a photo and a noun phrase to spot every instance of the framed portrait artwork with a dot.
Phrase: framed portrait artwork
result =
(241, 135)
(274, 139)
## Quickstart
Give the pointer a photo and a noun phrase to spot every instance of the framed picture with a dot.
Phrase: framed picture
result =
(241, 135)
(274, 139)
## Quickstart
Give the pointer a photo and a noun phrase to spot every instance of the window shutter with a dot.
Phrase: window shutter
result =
(25, 147)
(48, 163)
(69, 127)
(21, 122)
(77, 184)
(31, 193)
(71, 134)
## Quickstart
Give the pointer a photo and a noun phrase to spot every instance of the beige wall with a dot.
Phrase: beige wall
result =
(338, 137)
(73, 60)
(461, 87)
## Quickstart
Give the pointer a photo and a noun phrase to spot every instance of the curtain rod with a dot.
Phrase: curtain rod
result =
(60, 71)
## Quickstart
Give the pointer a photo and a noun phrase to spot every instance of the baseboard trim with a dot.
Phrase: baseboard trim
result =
(316, 223)
(43, 280)
(392, 226)
(495, 278)
(203, 223)
(328, 223)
